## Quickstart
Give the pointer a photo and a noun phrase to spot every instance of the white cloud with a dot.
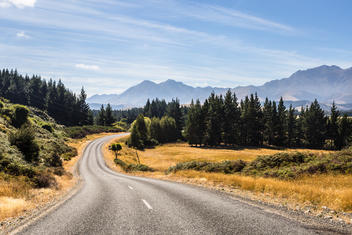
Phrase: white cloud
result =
(22, 34)
(87, 67)
(17, 3)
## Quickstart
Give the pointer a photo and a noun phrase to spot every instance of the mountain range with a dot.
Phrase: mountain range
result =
(325, 83)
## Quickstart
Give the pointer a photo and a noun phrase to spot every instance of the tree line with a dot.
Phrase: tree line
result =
(224, 120)
(160, 122)
(62, 104)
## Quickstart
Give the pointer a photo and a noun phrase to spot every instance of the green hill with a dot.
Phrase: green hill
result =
(32, 145)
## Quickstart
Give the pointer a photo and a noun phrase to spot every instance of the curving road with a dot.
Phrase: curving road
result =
(113, 203)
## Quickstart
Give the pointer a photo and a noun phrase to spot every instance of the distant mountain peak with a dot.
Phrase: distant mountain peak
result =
(325, 83)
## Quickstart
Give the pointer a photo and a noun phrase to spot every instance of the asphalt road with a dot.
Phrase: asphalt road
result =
(113, 203)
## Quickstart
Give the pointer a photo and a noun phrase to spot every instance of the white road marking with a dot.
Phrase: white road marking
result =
(147, 204)
(130, 187)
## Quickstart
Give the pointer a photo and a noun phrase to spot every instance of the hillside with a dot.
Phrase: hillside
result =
(325, 83)
(32, 151)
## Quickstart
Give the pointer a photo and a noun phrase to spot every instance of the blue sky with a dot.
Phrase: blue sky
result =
(109, 45)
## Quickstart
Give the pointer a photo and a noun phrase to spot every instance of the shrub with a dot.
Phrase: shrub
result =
(55, 160)
(24, 140)
(1, 105)
(48, 127)
(132, 167)
(20, 115)
(227, 167)
(72, 152)
(44, 180)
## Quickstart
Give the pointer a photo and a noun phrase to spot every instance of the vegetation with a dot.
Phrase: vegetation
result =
(148, 133)
(60, 103)
(132, 167)
(27, 149)
(116, 148)
(77, 132)
(223, 121)
(281, 165)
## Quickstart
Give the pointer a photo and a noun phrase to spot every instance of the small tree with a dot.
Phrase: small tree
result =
(116, 148)
(24, 140)
(20, 116)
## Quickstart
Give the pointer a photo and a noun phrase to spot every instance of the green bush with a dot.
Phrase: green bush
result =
(132, 167)
(20, 115)
(24, 140)
(1, 105)
(55, 160)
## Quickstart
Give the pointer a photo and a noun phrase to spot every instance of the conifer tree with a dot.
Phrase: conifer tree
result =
(101, 116)
(291, 127)
(315, 126)
(109, 119)
(281, 125)
(333, 128)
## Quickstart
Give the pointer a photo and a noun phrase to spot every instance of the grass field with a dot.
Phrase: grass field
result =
(332, 191)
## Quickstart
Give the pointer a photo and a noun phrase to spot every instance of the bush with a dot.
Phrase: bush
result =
(20, 115)
(227, 167)
(55, 161)
(132, 167)
(1, 105)
(48, 127)
(44, 180)
(69, 154)
(24, 140)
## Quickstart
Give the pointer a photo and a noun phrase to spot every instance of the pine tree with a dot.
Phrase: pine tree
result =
(268, 131)
(109, 119)
(229, 119)
(174, 111)
(291, 127)
(101, 116)
(314, 126)
(191, 125)
(344, 132)
(333, 128)
(282, 124)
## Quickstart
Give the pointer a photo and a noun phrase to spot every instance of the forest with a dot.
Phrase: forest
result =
(59, 102)
(224, 120)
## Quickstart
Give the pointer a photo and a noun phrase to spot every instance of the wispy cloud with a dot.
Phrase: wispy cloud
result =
(17, 3)
(22, 34)
(233, 17)
(87, 67)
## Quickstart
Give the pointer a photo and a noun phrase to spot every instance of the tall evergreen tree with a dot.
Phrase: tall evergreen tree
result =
(101, 119)
(315, 126)
(333, 127)
(291, 127)
(109, 119)
(282, 124)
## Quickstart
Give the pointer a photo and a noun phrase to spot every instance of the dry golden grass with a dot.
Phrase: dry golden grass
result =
(333, 191)
(17, 196)
(162, 157)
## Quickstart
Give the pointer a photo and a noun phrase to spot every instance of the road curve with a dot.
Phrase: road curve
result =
(113, 203)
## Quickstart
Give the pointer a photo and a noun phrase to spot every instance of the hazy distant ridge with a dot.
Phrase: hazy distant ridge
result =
(326, 83)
